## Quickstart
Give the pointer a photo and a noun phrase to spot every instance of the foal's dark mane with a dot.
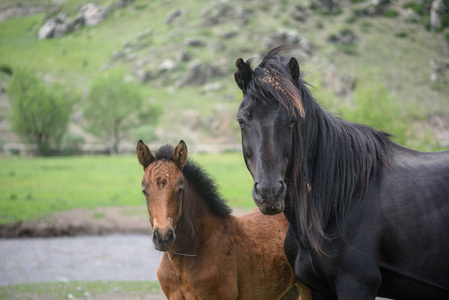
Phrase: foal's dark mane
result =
(333, 160)
(200, 180)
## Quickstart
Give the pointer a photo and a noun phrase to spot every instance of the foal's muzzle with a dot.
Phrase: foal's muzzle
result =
(163, 239)
(269, 196)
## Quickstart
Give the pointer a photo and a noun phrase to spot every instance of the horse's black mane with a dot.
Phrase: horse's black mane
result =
(201, 181)
(334, 160)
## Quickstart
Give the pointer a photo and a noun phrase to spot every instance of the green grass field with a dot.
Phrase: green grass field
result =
(35, 187)
(81, 289)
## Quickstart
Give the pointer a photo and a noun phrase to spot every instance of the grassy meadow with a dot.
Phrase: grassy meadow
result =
(388, 60)
(81, 289)
(35, 187)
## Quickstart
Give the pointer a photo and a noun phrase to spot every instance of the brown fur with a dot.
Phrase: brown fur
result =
(213, 256)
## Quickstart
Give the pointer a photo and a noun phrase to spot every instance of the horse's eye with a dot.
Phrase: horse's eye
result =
(144, 193)
(242, 122)
(180, 191)
(292, 122)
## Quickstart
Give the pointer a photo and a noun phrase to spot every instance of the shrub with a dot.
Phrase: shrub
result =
(375, 106)
(113, 106)
(71, 143)
(40, 113)
(391, 13)
(401, 34)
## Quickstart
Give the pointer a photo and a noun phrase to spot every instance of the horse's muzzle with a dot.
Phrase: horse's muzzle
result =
(163, 240)
(269, 196)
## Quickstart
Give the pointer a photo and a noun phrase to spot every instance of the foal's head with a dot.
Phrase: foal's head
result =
(163, 188)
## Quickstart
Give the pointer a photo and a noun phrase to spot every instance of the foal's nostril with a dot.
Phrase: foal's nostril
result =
(170, 234)
(156, 237)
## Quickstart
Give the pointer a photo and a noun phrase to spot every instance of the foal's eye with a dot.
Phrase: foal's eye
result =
(144, 193)
(180, 191)
(242, 122)
(292, 122)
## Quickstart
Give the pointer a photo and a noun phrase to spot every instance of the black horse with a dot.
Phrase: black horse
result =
(366, 216)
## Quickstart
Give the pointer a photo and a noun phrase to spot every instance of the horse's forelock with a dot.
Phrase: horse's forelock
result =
(274, 83)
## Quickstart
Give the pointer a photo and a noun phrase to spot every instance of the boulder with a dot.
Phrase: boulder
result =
(195, 42)
(148, 32)
(437, 12)
(117, 55)
(185, 56)
(91, 14)
(143, 75)
(123, 3)
(172, 17)
(200, 73)
(47, 30)
(283, 36)
(299, 14)
(344, 37)
(56, 27)
(224, 11)
(166, 65)
(330, 6)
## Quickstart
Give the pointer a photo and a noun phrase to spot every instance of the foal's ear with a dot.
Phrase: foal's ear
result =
(294, 68)
(243, 74)
(144, 155)
(180, 154)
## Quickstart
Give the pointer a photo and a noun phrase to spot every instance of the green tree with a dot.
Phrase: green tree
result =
(40, 112)
(113, 106)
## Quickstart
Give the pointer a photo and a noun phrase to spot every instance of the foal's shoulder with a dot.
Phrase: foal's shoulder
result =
(257, 224)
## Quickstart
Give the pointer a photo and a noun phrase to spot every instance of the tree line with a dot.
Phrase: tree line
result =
(41, 112)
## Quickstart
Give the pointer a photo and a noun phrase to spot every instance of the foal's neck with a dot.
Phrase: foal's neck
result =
(191, 230)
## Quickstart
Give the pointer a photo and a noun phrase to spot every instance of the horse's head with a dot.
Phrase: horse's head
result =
(163, 188)
(270, 110)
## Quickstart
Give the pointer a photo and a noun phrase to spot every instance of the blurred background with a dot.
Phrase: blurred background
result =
(82, 81)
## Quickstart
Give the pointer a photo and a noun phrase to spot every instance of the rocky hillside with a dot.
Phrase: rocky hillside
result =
(183, 52)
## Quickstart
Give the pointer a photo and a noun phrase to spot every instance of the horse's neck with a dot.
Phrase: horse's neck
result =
(191, 229)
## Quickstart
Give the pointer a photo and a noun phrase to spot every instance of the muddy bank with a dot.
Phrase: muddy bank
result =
(81, 222)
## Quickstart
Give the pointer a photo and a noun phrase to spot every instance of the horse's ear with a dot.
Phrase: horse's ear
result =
(144, 155)
(180, 154)
(294, 69)
(243, 74)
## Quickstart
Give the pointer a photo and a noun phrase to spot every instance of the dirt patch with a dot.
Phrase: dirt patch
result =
(99, 221)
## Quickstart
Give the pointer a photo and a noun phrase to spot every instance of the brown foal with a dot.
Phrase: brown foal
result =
(209, 253)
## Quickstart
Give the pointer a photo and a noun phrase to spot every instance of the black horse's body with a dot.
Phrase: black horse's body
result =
(367, 217)
(396, 242)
